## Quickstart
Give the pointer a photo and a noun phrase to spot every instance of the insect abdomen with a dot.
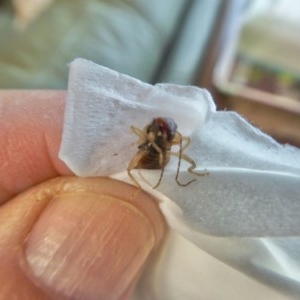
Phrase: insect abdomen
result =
(150, 160)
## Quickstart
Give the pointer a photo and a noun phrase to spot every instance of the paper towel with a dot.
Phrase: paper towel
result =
(245, 213)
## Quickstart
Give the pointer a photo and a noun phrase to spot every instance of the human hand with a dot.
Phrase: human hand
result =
(64, 237)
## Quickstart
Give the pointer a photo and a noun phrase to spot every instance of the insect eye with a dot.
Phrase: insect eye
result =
(161, 127)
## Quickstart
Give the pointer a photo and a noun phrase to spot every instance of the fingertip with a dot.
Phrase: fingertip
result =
(96, 232)
(31, 125)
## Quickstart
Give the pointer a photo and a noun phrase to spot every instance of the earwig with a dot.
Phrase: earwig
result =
(154, 149)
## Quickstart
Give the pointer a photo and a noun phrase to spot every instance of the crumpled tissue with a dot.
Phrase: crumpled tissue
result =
(235, 230)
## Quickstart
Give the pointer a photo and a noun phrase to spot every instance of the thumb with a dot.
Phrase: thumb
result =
(72, 238)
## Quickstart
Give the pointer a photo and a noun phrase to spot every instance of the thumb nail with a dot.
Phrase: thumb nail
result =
(87, 245)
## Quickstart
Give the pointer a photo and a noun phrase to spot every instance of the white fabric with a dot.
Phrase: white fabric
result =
(243, 219)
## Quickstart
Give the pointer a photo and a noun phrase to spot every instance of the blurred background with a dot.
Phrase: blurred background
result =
(246, 52)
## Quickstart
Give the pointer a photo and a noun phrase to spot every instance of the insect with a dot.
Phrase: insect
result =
(154, 149)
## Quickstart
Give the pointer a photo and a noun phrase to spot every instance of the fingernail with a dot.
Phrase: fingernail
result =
(87, 246)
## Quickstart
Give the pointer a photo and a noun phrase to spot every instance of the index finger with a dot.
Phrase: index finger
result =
(31, 125)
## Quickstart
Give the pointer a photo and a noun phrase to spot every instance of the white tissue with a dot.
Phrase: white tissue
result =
(252, 189)
(103, 104)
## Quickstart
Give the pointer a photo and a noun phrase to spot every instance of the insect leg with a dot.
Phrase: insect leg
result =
(193, 166)
(187, 142)
(178, 141)
(140, 133)
(183, 156)
(161, 161)
(190, 169)
(133, 163)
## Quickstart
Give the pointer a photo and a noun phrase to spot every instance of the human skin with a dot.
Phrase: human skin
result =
(64, 237)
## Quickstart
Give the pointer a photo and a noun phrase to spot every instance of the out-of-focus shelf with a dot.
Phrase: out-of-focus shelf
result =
(278, 114)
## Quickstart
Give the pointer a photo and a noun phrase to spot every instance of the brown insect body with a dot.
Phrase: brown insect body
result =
(160, 132)
(150, 159)
(155, 142)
